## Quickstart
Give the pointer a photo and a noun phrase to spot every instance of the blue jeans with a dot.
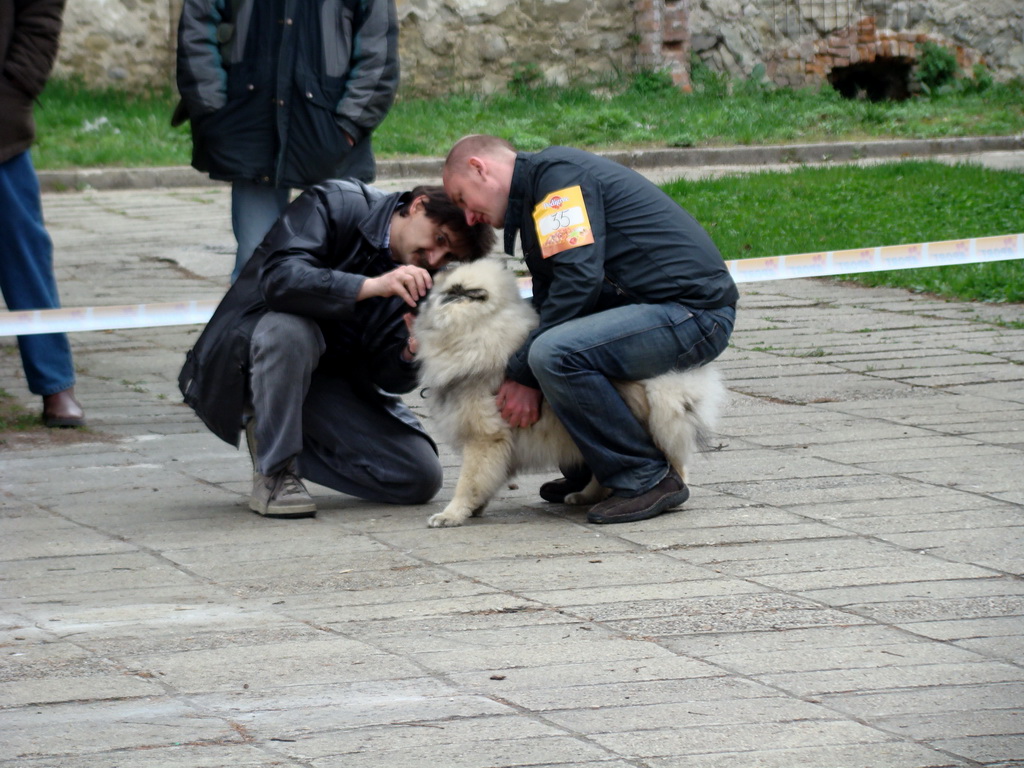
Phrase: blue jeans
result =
(575, 361)
(26, 275)
(254, 210)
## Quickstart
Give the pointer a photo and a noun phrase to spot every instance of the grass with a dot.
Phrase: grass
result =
(635, 115)
(824, 209)
(82, 128)
(14, 417)
(79, 127)
(24, 428)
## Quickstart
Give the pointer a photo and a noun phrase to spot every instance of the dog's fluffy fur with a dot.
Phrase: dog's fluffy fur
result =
(468, 327)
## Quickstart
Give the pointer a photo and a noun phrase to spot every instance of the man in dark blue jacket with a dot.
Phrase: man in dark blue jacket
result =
(311, 342)
(628, 286)
(282, 94)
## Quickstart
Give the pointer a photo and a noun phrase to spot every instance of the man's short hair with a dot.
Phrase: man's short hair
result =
(477, 144)
(478, 239)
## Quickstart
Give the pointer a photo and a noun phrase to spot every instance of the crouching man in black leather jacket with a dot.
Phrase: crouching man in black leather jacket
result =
(308, 347)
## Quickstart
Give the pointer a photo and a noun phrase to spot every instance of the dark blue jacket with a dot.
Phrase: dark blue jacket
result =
(645, 248)
(272, 86)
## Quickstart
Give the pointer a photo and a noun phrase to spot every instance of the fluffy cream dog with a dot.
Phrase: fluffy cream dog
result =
(469, 326)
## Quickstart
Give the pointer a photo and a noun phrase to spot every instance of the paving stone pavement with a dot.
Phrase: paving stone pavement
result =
(842, 590)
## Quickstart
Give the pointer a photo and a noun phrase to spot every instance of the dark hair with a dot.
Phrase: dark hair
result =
(478, 239)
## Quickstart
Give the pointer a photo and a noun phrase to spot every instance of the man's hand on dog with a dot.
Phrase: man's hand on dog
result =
(519, 404)
(411, 346)
(408, 282)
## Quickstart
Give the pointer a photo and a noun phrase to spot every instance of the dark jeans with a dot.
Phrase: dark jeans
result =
(363, 443)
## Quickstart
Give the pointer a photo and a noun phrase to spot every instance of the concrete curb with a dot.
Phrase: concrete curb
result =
(185, 176)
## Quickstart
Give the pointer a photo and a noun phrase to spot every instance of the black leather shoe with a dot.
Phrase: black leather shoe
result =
(61, 409)
(669, 493)
(555, 491)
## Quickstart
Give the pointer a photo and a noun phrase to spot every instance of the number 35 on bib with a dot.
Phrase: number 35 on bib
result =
(562, 222)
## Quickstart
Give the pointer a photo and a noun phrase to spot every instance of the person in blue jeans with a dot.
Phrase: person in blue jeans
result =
(628, 286)
(282, 95)
(29, 34)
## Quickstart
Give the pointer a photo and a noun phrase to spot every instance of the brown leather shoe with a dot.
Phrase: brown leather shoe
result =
(63, 410)
(669, 493)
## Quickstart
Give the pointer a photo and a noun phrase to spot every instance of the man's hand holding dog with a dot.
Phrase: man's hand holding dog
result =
(408, 282)
(518, 403)
(411, 346)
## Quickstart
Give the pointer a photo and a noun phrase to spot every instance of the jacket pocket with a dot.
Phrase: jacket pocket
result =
(238, 139)
(316, 143)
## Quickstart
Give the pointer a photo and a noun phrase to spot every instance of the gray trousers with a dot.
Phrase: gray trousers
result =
(365, 445)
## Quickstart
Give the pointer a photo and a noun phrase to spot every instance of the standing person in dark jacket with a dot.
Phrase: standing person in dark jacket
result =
(311, 340)
(283, 94)
(29, 34)
(628, 286)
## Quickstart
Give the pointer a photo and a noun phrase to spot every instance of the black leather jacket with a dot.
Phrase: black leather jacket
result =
(312, 263)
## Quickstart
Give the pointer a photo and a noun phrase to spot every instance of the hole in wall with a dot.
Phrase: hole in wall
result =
(887, 78)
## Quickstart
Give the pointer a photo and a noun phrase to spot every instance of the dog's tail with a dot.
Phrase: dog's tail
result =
(684, 409)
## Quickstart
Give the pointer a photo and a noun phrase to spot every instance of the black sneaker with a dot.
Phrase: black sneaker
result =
(556, 491)
(669, 493)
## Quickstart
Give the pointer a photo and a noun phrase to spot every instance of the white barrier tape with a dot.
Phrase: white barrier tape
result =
(880, 259)
(827, 263)
(35, 321)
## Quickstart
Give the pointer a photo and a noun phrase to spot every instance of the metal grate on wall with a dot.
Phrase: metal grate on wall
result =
(798, 18)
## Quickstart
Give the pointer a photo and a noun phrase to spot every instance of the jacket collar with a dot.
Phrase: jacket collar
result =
(376, 225)
(516, 195)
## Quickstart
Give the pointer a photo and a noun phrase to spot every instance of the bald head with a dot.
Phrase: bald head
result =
(478, 177)
(479, 145)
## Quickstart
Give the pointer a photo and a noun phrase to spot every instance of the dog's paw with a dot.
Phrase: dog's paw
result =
(592, 494)
(578, 499)
(449, 518)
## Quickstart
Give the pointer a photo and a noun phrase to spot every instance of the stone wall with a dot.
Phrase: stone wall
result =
(479, 45)
(790, 36)
(127, 43)
(861, 45)
(446, 45)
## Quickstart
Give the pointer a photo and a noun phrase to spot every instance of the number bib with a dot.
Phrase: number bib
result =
(562, 222)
